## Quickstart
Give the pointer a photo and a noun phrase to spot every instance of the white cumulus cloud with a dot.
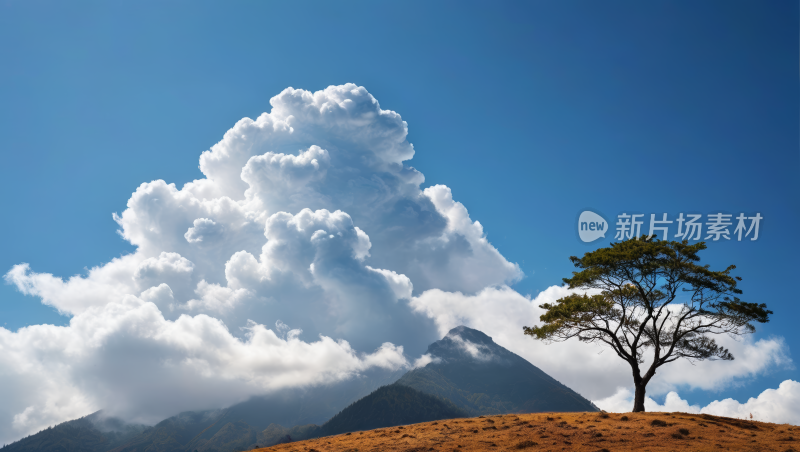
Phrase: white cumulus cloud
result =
(781, 405)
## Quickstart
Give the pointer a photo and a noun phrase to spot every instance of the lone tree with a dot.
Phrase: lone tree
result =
(655, 298)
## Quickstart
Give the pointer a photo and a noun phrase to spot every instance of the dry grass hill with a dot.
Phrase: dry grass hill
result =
(593, 432)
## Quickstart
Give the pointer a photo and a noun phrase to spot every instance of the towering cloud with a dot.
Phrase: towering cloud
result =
(309, 253)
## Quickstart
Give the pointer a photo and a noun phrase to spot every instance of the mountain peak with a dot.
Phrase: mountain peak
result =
(469, 334)
(482, 377)
(466, 344)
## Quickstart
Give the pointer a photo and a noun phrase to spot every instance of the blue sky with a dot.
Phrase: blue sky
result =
(531, 112)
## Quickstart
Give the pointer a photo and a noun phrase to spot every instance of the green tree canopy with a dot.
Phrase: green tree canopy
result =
(651, 299)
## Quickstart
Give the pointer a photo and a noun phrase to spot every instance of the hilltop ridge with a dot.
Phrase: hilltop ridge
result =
(582, 432)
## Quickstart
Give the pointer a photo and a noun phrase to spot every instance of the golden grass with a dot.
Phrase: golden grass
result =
(593, 432)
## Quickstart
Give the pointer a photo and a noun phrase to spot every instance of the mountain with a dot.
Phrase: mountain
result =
(92, 433)
(481, 377)
(172, 434)
(389, 406)
(239, 426)
(470, 376)
(223, 430)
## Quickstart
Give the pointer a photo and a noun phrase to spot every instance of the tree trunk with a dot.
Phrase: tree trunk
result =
(638, 398)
